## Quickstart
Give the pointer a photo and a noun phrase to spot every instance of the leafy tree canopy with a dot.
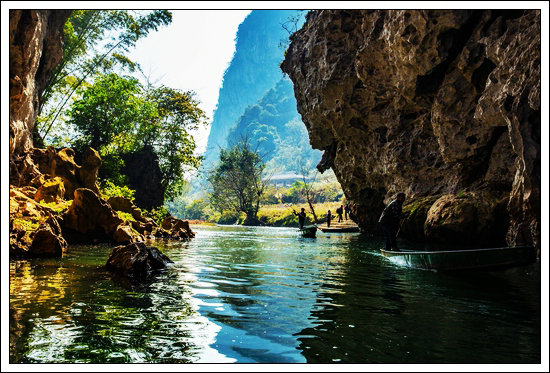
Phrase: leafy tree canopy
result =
(238, 181)
(118, 115)
(94, 41)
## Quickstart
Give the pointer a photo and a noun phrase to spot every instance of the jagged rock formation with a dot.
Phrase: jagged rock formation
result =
(90, 216)
(34, 228)
(441, 104)
(149, 190)
(179, 228)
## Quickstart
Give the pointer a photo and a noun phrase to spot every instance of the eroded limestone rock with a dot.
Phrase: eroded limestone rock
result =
(427, 102)
(179, 229)
(52, 190)
(34, 228)
(35, 50)
(91, 216)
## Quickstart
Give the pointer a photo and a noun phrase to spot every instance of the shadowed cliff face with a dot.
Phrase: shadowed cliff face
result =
(443, 104)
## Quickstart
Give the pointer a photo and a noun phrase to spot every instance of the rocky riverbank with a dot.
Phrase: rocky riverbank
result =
(59, 203)
(53, 200)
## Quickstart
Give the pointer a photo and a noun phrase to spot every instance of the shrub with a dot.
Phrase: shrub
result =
(57, 206)
(157, 215)
(108, 189)
(125, 216)
(229, 217)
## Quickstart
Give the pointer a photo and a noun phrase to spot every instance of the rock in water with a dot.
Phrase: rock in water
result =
(178, 229)
(136, 261)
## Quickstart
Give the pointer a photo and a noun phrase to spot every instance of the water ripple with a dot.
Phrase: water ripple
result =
(240, 294)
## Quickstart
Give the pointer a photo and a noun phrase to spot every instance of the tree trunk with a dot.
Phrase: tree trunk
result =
(312, 210)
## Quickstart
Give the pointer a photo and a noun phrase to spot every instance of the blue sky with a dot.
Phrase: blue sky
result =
(192, 53)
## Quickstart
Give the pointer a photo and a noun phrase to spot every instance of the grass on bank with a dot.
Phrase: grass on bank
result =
(275, 215)
(281, 215)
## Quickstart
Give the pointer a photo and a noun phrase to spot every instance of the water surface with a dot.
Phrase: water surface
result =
(237, 294)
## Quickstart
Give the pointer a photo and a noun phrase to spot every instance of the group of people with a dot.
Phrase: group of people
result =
(339, 211)
(390, 219)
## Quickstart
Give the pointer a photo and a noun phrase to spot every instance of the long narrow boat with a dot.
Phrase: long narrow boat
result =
(454, 260)
(340, 230)
(309, 231)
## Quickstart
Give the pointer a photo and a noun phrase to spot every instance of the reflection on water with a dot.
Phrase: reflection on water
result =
(237, 294)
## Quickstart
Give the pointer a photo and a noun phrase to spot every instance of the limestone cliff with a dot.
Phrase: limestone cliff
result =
(35, 50)
(441, 104)
(252, 72)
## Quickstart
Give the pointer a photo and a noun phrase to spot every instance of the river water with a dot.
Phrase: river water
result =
(237, 294)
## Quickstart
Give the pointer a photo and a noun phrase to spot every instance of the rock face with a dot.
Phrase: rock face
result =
(136, 261)
(35, 51)
(149, 190)
(437, 104)
(91, 217)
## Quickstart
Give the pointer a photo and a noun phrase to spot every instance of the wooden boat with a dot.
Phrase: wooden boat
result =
(308, 231)
(340, 229)
(454, 260)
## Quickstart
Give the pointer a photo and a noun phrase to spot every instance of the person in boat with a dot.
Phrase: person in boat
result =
(390, 221)
(301, 217)
(339, 212)
(329, 218)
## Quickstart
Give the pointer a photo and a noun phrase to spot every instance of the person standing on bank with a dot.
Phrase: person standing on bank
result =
(329, 218)
(346, 211)
(340, 211)
(390, 220)
(301, 217)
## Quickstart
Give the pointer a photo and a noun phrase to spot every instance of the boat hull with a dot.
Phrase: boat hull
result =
(453, 260)
(340, 230)
(308, 232)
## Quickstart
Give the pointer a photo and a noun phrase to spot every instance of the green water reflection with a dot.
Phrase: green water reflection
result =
(238, 294)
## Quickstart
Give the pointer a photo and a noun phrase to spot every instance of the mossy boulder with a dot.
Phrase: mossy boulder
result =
(89, 215)
(417, 210)
(34, 229)
(47, 241)
(467, 218)
(52, 190)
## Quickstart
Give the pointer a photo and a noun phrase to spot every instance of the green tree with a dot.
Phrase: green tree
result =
(94, 41)
(117, 115)
(107, 113)
(238, 181)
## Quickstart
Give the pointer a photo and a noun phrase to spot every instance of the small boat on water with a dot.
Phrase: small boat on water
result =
(454, 260)
(340, 230)
(346, 226)
(308, 231)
